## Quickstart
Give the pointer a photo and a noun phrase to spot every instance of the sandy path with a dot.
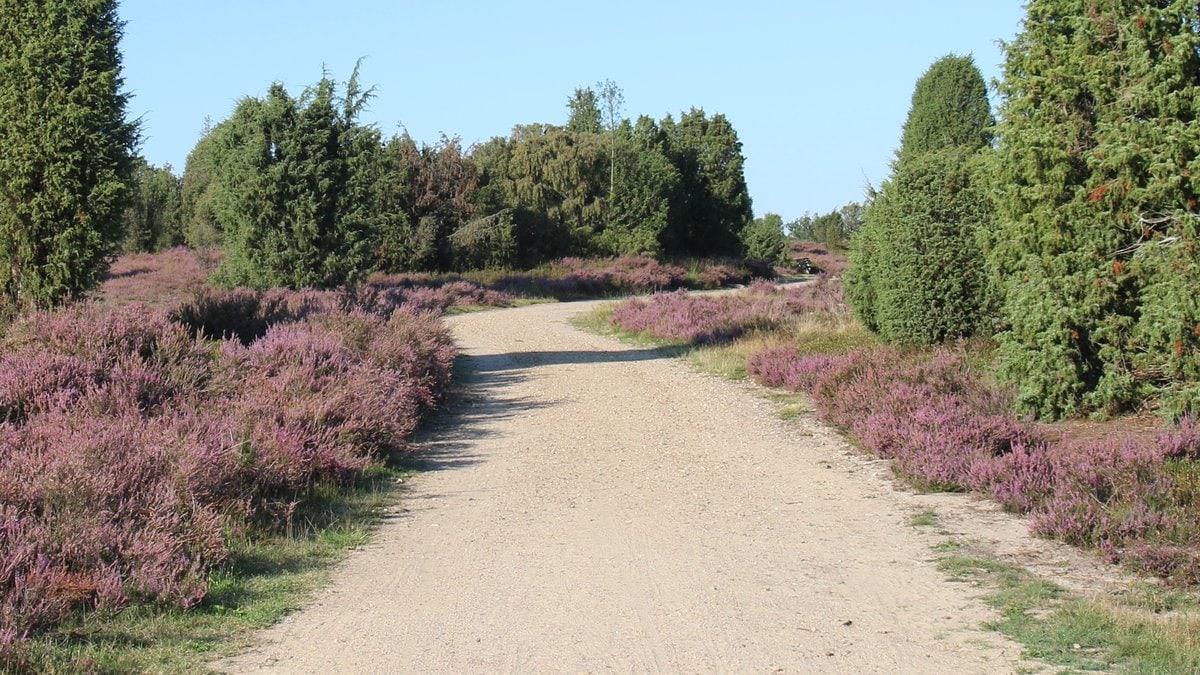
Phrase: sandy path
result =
(594, 507)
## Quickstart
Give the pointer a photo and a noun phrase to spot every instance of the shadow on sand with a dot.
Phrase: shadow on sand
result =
(483, 394)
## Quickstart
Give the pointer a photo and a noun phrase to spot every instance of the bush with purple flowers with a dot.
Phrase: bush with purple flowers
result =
(134, 441)
(706, 319)
(944, 427)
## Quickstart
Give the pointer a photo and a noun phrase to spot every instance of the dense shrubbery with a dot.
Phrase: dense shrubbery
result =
(701, 319)
(332, 200)
(945, 428)
(1097, 175)
(132, 444)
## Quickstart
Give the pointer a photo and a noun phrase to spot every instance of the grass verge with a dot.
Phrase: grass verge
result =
(1149, 629)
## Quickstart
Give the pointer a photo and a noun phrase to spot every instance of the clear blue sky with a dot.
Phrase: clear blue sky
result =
(817, 91)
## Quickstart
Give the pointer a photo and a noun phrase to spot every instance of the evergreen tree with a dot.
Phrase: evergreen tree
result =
(65, 147)
(930, 278)
(1098, 177)
(153, 217)
(585, 112)
(917, 270)
(201, 190)
(715, 203)
(300, 178)
(426, 196)
(647, 182)
(763, 239)
(950, 108)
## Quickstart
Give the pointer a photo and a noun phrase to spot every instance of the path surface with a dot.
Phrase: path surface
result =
(597, 508)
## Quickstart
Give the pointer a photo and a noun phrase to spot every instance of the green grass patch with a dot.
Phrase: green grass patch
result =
(1148, 630)
(598, 320)
(926, 518)
(266, 577)
(789, 406)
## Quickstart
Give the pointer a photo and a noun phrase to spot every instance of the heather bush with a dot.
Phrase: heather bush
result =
(576, 277)
(829, 263)
(161, 279)
(705, 319)
(1105, 493)
(133, 441)
(946, 428)
(625, 274)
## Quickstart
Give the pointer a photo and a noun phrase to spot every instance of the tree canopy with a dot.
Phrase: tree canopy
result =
(66, 148)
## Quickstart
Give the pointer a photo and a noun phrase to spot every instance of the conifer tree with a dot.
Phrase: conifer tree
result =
(917, 271)
(715, 203)
(1098, 177)
(300, 178)
(65, 147)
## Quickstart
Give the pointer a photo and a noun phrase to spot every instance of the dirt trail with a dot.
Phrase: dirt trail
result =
(595, 507)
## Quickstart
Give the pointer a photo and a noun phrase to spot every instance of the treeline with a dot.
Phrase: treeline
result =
(1068, 228)
(298, 192)
(834, 229)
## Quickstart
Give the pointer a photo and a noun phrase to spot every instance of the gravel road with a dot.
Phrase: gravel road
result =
(593, 506)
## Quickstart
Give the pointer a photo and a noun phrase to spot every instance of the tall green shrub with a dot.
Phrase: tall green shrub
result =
(763, 239)
(917, 272)
(1097, 176)
(931, 281)
(299, 178)
(65, 147)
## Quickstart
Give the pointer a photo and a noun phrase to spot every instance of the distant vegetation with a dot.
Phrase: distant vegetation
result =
(299, 193)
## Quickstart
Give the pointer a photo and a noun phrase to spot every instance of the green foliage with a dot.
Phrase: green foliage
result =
(763, 238)
(585, 112)
(153, 217)
(201, 192)
(661, 188)
(647, 183)
(930, 283)
(424, 199)
(300, 194)
(715, 204)
(833, 229)
(949, 109)
(917, 273)
(300, 176)
(65, 148)
(1097, 173)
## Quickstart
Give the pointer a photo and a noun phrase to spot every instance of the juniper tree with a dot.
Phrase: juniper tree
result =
(65, 147)
(1097, 177)
(300, 177)
(917, 271)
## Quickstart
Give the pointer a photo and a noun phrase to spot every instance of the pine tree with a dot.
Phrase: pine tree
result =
(1098, 177)
(917, 270)
(65, 147)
